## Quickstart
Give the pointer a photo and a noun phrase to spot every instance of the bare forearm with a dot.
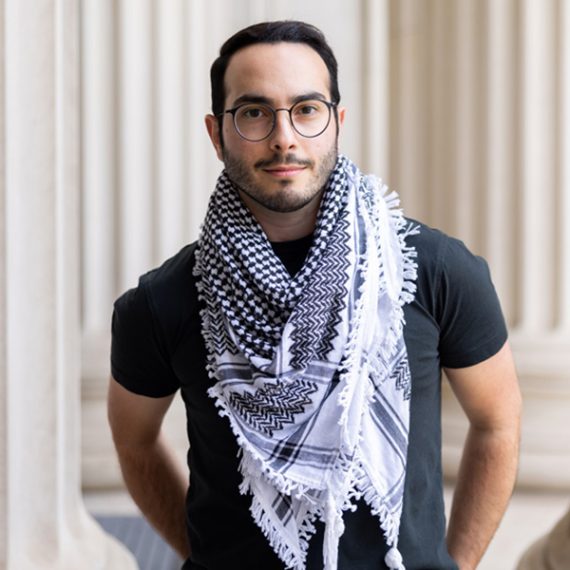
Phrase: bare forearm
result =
(485, 483)
(158, 486)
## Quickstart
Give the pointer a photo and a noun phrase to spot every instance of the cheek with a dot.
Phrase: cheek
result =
(244, 152)
(324, 145)
(233, 143)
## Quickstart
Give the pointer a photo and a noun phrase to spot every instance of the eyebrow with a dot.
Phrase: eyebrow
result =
(253, 98)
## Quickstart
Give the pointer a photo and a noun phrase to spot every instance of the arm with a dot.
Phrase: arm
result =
(153, 476)
(489, 394)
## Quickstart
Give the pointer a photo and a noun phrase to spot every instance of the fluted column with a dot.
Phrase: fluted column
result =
(172, 96)
(542, 335)
(99, 151)
(495, 174)
(145, 177)
(137, 129)
(564, 138)
(407, 171)
(44, 524)
(375, 89)
(499, 153)
(100, 220)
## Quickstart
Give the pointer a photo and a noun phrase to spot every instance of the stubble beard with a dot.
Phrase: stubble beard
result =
(288, 198)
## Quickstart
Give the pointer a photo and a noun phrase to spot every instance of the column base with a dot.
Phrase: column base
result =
(84, 545)
(551, 552)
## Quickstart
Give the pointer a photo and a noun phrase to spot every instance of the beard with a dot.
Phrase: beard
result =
(288, 197)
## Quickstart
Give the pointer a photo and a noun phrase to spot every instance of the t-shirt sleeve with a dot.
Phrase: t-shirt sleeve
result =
(139, 359)
(472, 326)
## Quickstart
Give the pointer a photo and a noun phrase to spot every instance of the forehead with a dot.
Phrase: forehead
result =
(276, 71)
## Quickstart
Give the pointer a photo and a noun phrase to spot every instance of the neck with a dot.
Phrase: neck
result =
(285, 226)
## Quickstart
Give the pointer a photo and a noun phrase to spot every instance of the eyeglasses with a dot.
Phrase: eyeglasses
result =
(255, 122)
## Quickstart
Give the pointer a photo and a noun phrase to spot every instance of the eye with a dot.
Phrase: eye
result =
(308, 109)
(253, 112)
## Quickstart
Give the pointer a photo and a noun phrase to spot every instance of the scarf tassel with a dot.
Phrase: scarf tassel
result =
(394, 560)
(334, 527)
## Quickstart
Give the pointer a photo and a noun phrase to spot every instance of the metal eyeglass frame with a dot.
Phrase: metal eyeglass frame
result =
(331, 106)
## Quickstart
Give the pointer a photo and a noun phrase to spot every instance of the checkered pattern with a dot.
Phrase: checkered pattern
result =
(312, 371)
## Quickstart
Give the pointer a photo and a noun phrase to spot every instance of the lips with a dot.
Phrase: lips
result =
(284, 171)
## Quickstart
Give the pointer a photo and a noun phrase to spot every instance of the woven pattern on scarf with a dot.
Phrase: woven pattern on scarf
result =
(312, 370)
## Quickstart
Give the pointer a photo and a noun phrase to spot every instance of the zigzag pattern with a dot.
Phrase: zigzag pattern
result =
(319, 311)
(273, 406)
(339, 251)
(216, 330)
(403, 378)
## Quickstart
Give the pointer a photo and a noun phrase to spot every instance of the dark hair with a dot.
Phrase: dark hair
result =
(269, 33)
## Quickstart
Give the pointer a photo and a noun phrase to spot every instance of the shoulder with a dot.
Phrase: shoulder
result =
(430, 246)
(173, 282)
(441, 259)
(166, 295)
(175, 273)
(455, 287)
(433, 246)
(148, 323)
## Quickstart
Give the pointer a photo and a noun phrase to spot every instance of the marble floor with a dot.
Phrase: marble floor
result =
(530, 514)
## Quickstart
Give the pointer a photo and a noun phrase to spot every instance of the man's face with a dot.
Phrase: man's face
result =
(286, 171)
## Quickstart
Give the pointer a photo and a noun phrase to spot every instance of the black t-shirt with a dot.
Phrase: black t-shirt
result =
(157, 348)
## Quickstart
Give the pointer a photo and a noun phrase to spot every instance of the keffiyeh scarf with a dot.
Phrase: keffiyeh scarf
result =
(312, 370)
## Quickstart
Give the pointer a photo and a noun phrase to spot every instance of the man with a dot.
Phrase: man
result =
(315, 319)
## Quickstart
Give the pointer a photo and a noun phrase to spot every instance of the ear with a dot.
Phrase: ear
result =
(213, 128)
(341, 113)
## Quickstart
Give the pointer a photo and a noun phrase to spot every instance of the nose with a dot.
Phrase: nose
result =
(283, 136)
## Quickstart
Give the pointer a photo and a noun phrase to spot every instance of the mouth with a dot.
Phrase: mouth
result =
(284, 171)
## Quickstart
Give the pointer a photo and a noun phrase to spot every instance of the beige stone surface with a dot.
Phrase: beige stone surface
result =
(550, 552)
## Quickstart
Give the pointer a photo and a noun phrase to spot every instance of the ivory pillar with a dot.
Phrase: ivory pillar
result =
(542, 336)
(44, 524)
(494, 172)
(376, 80)
(171, 104)
(100, 212)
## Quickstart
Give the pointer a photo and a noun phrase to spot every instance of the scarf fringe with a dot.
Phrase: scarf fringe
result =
(389, 523)
(294, 559)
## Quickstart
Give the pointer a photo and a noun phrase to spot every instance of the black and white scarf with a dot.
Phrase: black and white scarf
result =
(312, 370)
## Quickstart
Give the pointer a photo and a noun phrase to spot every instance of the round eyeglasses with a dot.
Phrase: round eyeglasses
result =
(255, 122)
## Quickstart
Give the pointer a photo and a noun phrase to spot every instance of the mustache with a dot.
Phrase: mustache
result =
(280, 160)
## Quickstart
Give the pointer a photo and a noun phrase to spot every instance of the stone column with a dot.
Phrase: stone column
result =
(550, 552)
(375, 86)
(43, 523)
(487, 161)
(541, 337)
(139, 156)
